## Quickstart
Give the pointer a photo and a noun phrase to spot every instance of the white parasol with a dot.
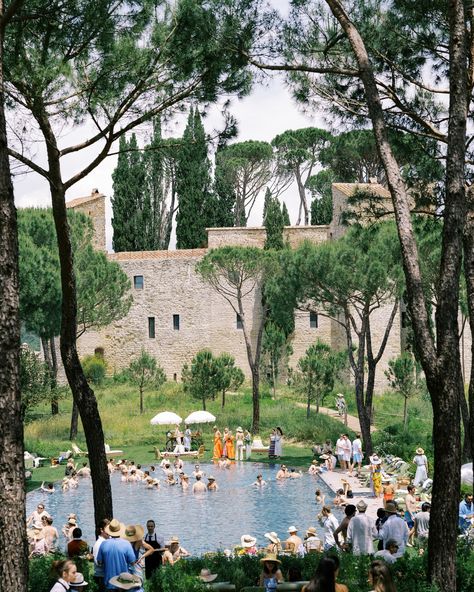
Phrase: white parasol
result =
(200, 417)
(166, 418)
(466, 474)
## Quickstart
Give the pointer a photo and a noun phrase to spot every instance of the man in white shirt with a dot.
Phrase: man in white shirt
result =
(394, 528)
(346, 451)
(356, 454)
(330, 524)
(99, 569)
(340, 452)
(361, 532)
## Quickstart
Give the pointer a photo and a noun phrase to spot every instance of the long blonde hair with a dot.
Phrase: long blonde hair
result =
(381, 577)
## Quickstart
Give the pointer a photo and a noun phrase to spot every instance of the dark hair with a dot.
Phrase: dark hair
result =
(324, 579)
(48, 520)
(280, 430)
(151, 520)
(380, 513)
(84, 464)
(425, 506)
(350, 510)
(76, 533)
(100, 527)
(294, 573)
(60, 566)
(410, 488)
(381, 577)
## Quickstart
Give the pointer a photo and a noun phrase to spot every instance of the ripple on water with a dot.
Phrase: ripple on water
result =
(205, 522)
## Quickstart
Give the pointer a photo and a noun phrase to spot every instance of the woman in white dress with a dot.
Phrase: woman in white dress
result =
(187, 439)
(278, 442)
(421, 463)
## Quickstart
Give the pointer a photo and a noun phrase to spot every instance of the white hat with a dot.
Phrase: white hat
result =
(78, 580)
(272, 536)
(206, 575)
(239, 429)
(247, 541)
(361, 506)
(375, 460)
(292, 529)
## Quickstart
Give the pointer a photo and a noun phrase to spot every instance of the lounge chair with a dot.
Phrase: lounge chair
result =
(258, 447)
(110, 453)
(77, 451)
(191, 454)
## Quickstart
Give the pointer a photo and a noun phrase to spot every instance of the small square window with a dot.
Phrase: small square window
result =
(151, 327)
(138, 282)
(176, 322)
(239, 322)
(313, 320)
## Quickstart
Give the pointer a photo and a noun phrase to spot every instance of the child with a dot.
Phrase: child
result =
(388, 491)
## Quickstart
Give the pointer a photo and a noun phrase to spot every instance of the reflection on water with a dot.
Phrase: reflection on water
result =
(205, 522)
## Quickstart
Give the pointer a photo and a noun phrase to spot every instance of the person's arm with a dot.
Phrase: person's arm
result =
(183, 552)
(337, 531)
(148, 551)
(279, 576)
(260, 580)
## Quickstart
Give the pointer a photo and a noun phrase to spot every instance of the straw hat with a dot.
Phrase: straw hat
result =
(375, 460)
(314, 462)
(211, 478)
(292, 529)
(174, 540)
(420, 451)
(271, 557)
(72, 521)
(115, 528)
(361, 506)
(78, 580)
(324, 456)
(239, 429)
(391, 507)
(206, 575)
(38, 534)
(125, 581)
(133, 532)
(272, 536)
(247, 541)
(312, 531)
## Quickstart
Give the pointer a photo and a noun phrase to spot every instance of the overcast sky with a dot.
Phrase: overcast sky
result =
(267, 111)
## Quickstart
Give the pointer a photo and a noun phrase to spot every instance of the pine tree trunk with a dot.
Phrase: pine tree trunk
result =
(141, 400)
(468, 244)
(54, 365)
(223, 398)
(405, 414)
(82, 393)
(255, 400)
(13, 546)
(74, 422)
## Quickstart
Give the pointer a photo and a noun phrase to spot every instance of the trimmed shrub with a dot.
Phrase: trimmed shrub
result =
(94, 368)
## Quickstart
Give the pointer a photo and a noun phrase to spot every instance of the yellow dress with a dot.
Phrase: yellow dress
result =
(217, 445)
(230, 447)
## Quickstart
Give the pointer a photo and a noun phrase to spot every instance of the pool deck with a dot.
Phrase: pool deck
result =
(333, 481)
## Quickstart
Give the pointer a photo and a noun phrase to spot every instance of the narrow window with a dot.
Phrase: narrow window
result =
(239, 323)
(138, 282)
(175, 377)
(176, 322)
(313, 320)
(151, 327)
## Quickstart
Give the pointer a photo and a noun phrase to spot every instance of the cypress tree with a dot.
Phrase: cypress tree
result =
(286, 215)
(193, 186)
(274, 222)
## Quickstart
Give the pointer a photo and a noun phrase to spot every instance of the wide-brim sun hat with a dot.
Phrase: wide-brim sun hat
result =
(211, 478)
(361, 506)
(133, 533)
(311, 530)
(292, 529)
(247, 541)
(126, 581)
(206, 575)
(239, 429)
(78, 580)
(272, 536)
(174, 540)
(115, 528)
(270, 558)
(324, 457)
(420, 450)
(375, 460)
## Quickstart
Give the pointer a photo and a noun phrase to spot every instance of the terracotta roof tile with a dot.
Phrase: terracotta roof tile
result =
(82, 200)
(350, 188)
(178, 254)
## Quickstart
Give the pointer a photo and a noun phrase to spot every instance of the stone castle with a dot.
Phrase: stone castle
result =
(175, 314)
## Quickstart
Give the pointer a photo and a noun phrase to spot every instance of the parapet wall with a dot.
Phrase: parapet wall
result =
(255, 236)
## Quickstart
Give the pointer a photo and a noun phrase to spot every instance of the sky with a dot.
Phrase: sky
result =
(266, 112)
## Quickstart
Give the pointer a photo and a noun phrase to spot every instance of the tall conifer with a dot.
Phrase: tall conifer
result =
(193, 186)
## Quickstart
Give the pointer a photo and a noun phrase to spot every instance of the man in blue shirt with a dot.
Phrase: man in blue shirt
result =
(115, 554)
(466, 512)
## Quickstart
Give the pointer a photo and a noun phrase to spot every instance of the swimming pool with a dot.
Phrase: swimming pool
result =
(204, 522)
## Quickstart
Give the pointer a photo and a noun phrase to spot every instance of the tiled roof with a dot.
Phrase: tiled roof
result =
(350, 188)
(82, 200)
(178, 254)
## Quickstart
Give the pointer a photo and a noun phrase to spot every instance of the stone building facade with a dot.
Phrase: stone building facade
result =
(175, 314)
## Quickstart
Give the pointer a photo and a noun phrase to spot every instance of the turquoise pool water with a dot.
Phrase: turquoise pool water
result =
(205, 522)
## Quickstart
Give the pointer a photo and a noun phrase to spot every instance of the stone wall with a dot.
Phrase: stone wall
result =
(255, 237)
(94, 207)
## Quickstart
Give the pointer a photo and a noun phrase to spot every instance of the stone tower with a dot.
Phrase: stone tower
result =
(93, 206)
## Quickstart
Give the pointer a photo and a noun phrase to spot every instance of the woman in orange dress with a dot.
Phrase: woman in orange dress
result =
(230, 446)
(217, 444)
